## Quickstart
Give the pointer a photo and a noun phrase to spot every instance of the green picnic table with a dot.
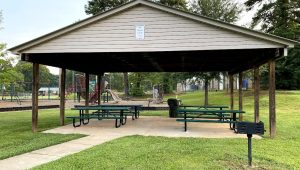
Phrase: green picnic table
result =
(135, 109)
(223, 116)
(100, 113)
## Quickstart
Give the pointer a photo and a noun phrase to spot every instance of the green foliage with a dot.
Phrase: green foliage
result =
(167, 81)
(135, 80)
(117, 81)
(179, 4)
(281, 17)
(287, 76)
(46, 78)
(224, 10)
(96, 6)
(7, 72)
(18, 138)
(136, 91)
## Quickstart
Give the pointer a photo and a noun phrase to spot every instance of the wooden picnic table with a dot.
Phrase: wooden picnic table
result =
(222, 115)
(100, 113)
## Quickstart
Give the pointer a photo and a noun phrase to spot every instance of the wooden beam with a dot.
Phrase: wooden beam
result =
(231, 91)
(256, 94)
(240, 95)
(62, 92)
(35, 95)
(87, 91)
(272, 106)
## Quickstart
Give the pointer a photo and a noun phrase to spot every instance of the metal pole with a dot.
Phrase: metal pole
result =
(249, 149)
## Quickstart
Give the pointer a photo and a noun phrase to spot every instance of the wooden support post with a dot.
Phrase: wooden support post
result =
(256, 94)
(87, 91)
(99, 87)
(206, 84)
(241, 95)
(62, 91)
(272, 89)
(231, 91)
(224, 81)
(35, 95)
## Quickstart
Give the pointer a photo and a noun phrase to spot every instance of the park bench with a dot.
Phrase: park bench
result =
(220, 116)
(100, 113)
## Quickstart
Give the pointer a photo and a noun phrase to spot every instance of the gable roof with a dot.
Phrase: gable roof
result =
(241, 30)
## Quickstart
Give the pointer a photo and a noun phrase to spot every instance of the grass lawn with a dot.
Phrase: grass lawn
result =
(139, 152)
(17, 137)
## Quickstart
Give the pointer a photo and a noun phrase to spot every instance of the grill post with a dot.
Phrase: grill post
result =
(249, 149)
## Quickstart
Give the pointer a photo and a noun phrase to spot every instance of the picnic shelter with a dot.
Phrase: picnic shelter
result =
(144, 36)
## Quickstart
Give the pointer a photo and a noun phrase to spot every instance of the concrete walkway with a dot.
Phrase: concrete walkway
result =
(102, 131)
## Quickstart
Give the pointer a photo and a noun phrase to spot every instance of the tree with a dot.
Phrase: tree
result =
(179, 4)
(136, 79)
(126, 84)
(8, 75)
(282, 18)
(96, 6)
(46, 78)
(224, 10)
(206, 77)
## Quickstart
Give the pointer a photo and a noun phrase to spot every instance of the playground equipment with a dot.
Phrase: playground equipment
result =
(80, 90)
(157, 94)
(114, 96)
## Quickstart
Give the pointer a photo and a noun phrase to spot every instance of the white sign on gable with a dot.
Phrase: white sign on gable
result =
(140, 32)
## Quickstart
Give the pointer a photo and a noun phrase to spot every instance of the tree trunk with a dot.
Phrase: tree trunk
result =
(224, 81)
(206, 92)
(126, 84)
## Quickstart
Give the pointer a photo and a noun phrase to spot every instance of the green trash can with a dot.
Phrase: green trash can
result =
(173, 106)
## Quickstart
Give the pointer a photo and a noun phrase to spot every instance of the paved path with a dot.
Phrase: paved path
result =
(102, 131)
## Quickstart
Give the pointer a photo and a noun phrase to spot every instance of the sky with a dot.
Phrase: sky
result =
(24, 20)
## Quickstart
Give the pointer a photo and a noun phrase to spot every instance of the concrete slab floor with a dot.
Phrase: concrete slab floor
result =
(102, 131)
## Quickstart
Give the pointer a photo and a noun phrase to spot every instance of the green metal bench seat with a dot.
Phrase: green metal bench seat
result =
(82, 118)
(227, 120)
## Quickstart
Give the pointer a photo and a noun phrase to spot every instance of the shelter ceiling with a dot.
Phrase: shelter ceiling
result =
(181, 61)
